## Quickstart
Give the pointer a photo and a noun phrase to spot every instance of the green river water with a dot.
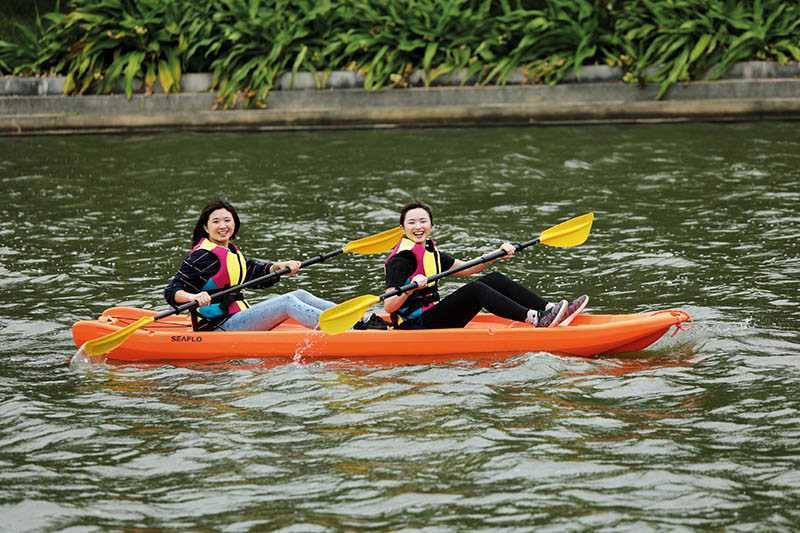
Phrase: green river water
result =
(700, 432)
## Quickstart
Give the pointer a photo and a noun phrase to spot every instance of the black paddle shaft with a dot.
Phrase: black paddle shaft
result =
(278, 273)
(469, 264)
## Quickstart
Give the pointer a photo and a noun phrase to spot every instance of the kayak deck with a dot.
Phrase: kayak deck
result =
(172, 338)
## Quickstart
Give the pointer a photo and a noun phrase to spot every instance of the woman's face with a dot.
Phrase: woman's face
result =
(220, 226)
(417, 225)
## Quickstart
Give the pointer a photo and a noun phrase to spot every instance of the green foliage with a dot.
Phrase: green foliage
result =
(679, 40)
(29, 49)
(252, 42)
(387, 41)
(22, 13)
(248, 44)
(124, 40)
(767, 31)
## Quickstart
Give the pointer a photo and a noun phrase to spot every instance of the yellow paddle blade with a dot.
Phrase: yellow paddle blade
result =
(343, 316)
(106, 343)
(375, 244)
(573, 232)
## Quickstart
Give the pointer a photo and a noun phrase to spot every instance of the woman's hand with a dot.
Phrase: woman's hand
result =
(202, 298)
(509, 249)
(420, 280)
(293, 266)
(393, 303)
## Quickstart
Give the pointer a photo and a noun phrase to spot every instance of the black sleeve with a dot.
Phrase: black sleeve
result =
(399, 269)
(197, 268)
(256, 269)
(401, 266)
(446, 260)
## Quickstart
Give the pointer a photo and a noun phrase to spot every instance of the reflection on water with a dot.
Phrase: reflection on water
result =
(698, 432)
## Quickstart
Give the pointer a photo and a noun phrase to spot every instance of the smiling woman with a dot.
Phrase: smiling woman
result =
(216, 263)
(416, 258)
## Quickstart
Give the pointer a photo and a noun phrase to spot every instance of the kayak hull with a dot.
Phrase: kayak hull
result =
(172, 339)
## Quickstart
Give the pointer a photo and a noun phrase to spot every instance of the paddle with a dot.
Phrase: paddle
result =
(374, 244)
(573, 232)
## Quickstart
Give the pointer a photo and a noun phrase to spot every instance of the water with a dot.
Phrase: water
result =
(699, 432)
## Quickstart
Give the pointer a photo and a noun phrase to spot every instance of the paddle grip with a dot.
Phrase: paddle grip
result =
(469, 264)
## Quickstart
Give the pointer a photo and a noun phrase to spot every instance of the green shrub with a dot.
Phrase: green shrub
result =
(679, 40)
(27, 48)
(251, 42)
(22, 13)
(124, 40)
(553, 40)
(387, 41)
(248, 44)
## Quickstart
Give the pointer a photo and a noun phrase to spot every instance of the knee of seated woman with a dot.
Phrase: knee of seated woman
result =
(493, 276)
(281, 299)
(293, 299)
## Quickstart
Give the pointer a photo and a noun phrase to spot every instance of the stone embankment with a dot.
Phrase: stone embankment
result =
(750, 91)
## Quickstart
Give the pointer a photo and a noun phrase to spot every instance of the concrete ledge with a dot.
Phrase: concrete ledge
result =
(519, 114)
(752, 70)
(105, 104)
(201, 82)
(16, 86)
(737, 99)
(416, 97)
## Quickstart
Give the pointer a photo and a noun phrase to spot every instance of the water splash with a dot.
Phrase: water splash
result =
(83, 361)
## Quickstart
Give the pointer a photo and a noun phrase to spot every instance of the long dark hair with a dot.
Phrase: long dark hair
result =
(414, 205)
(199, 228)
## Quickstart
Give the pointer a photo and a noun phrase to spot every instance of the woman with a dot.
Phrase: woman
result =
(215, 263)
(416, 257)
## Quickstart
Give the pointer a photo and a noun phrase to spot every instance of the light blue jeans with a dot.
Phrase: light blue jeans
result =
(300, 305)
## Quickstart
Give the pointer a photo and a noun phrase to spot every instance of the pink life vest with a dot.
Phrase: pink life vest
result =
(232, 271)
(428, 263)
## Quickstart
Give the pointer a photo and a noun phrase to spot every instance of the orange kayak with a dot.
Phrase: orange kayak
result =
(172, 339)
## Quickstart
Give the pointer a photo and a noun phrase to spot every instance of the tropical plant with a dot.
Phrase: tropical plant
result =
(35, 50)
(551, 41)
(388, 41)
(249, 44)
(679, 40)
(125, 40)
(252, 42)
(768, 31)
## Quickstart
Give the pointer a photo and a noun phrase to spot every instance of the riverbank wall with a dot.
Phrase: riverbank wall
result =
(750, 91)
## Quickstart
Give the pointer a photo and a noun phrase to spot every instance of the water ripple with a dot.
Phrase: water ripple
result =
(698, 432)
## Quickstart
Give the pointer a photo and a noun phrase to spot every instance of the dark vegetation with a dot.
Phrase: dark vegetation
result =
(247, 44)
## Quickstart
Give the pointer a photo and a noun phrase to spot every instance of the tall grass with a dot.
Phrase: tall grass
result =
(248, 44)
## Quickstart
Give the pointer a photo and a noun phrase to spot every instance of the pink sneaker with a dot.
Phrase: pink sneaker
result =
(574, 309)
(553, 316)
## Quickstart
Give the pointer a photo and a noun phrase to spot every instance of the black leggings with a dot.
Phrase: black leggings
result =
(493, 292)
